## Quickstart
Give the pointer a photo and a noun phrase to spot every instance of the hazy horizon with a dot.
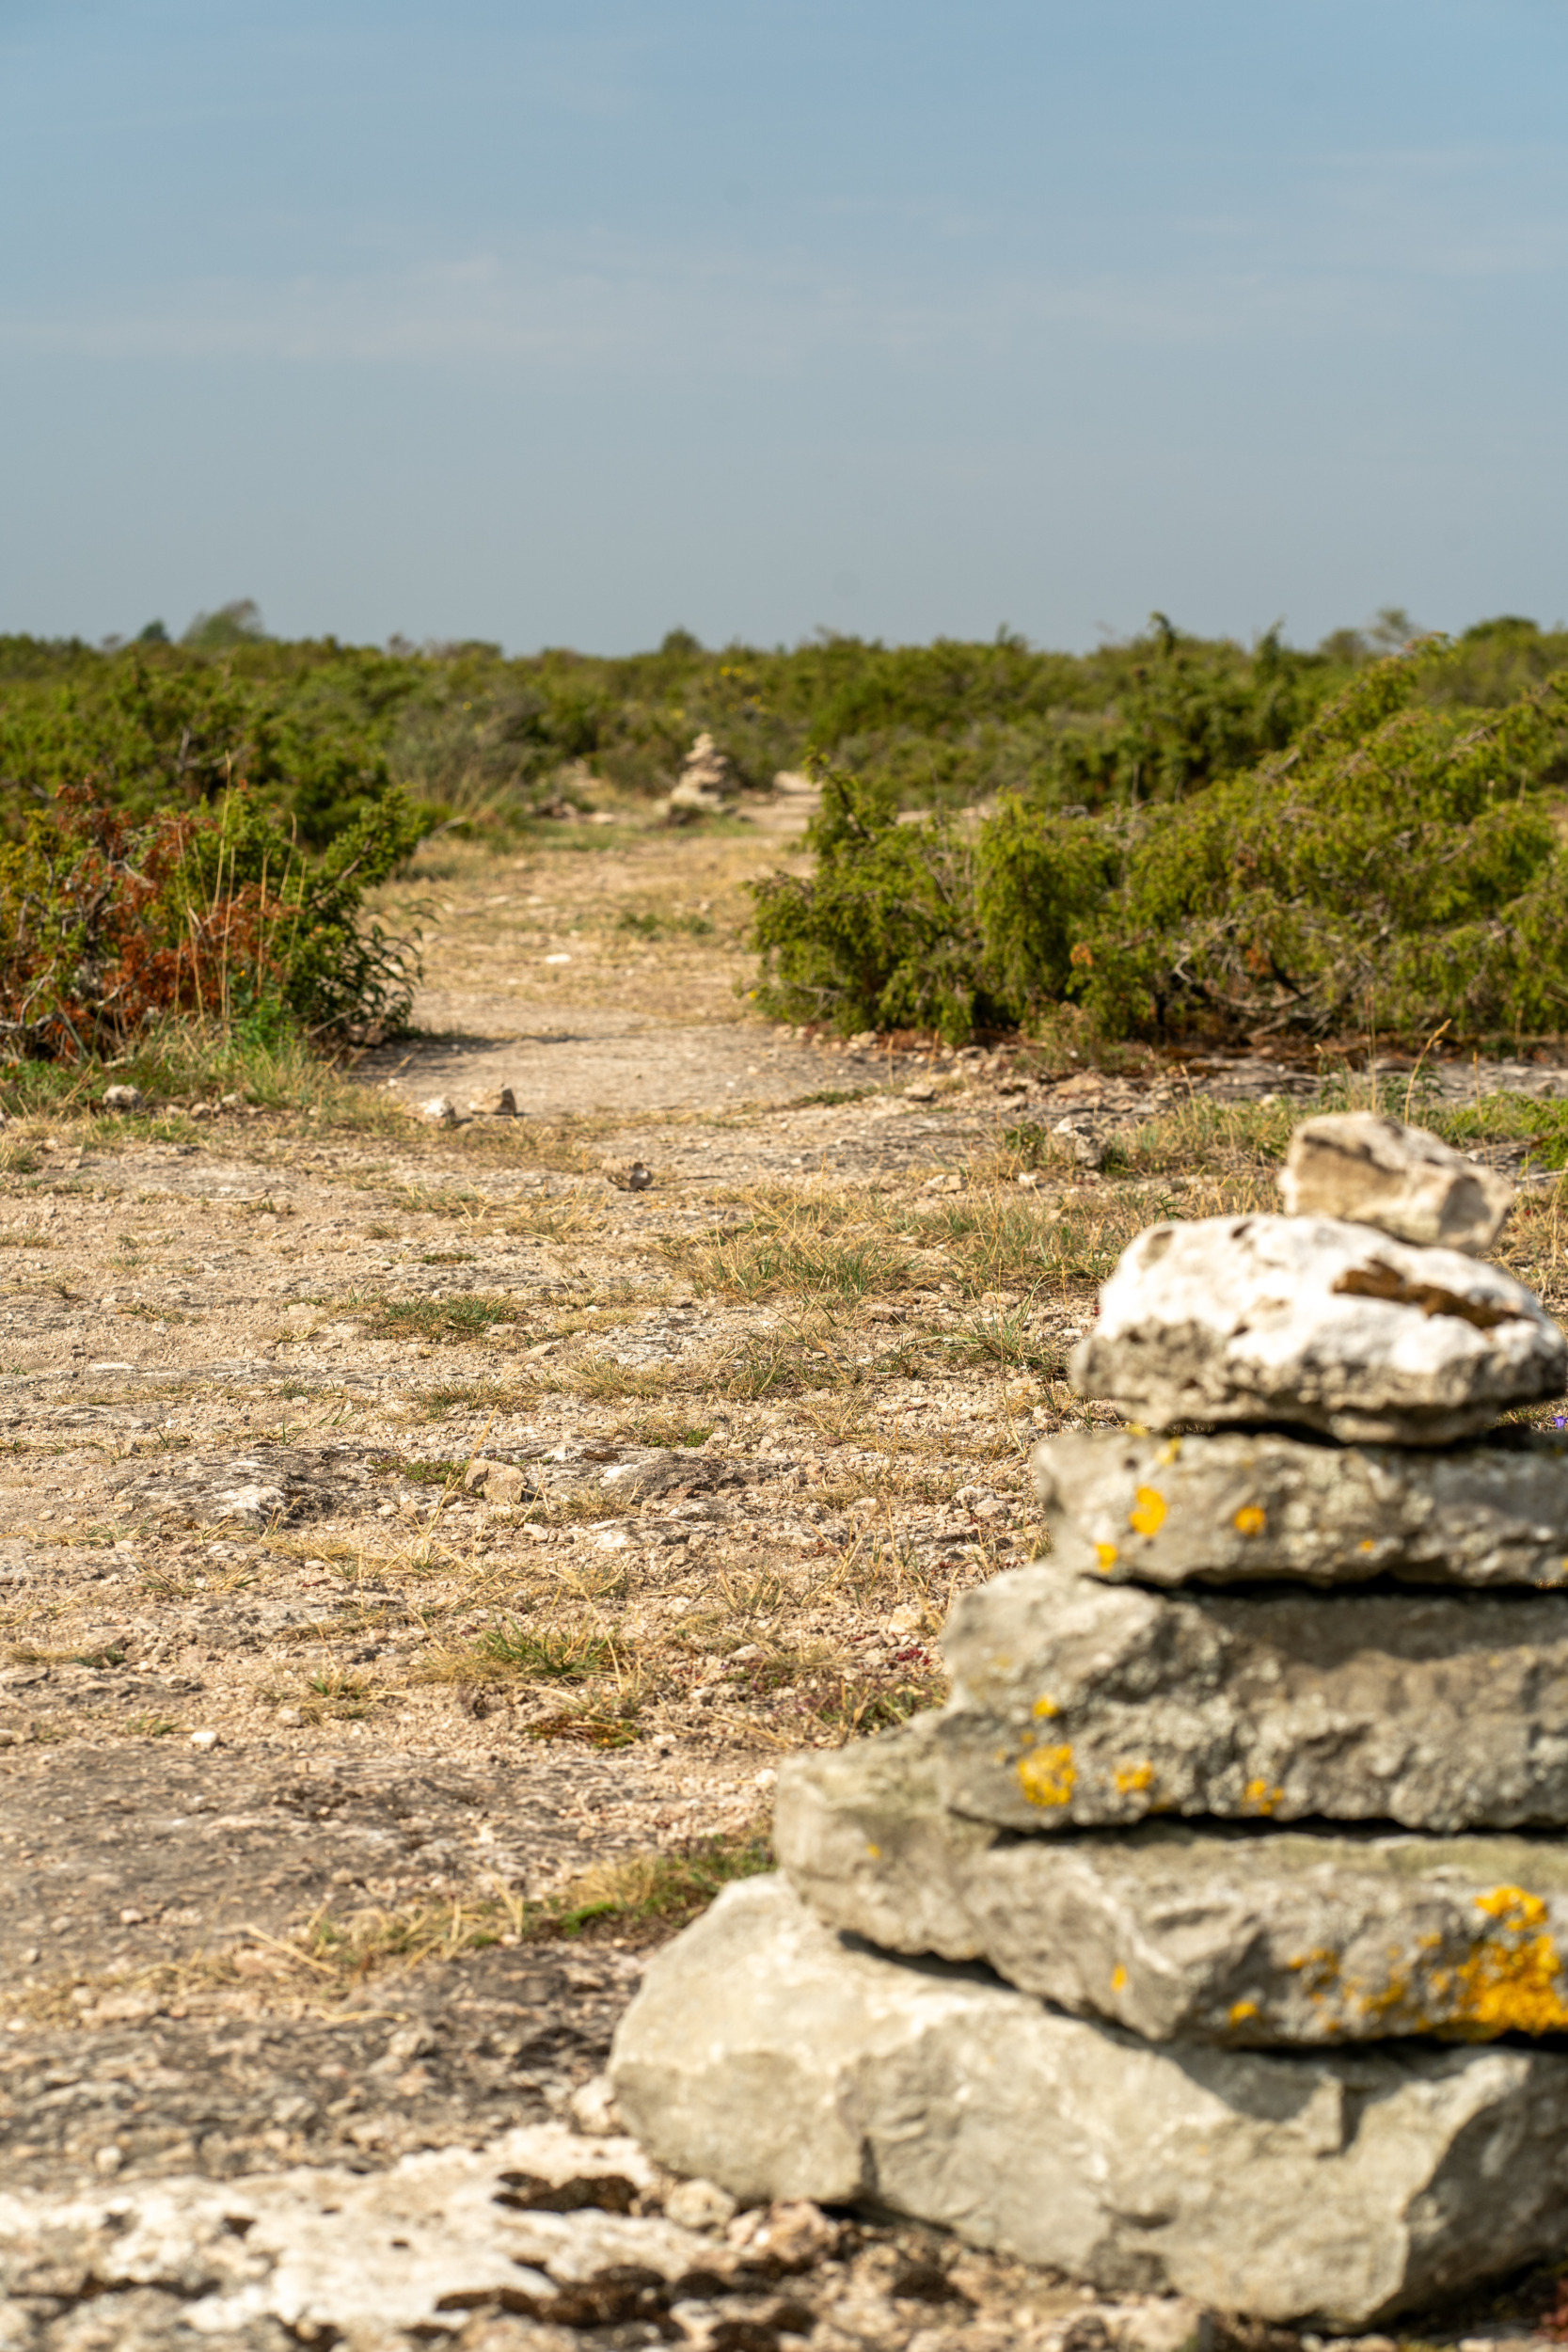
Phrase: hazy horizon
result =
(1378, 629)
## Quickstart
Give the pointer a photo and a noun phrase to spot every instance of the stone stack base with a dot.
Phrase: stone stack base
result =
(1213, 1939)
(784, 2059)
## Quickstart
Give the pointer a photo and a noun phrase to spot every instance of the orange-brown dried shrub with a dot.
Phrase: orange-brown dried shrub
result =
(109, 923)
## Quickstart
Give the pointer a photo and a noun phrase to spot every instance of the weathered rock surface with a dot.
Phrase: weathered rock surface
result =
(338, 2255)
(266, 1487)
(1326, 1324)
(770, 2054)
(1080, 1705)
(1408, 1182)
(1242, 1938)
(1246, 1505)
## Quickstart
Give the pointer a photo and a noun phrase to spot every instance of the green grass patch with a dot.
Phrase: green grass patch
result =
(441, 1322)
(764, 1265)
(419, 1474)
(564, 1657)
(111, 1654)
(662, 1889)
(476, 1396)
(510, 1652)
(338, 1694)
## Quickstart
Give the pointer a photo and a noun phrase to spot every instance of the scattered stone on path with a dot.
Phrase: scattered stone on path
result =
(1078, 1704)
(498, 1102)
(499, 1482)
(1374, 1170)
(1211, 1936)
(122, 1099)
(1318, 1323)
(1237, 1506)
(767, 2053)
(440, 1111)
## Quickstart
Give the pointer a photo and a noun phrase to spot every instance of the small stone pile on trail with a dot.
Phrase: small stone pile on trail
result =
(1212, 1937)
(706, 785)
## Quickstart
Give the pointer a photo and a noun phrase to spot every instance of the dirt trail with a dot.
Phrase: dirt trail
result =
(404, 1529)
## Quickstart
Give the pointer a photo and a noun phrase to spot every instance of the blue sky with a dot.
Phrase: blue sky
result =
(568, 323)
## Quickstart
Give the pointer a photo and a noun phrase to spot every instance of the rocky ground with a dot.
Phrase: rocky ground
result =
(419, 1540)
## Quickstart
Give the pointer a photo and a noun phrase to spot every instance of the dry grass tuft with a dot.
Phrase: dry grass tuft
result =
(329, 1957)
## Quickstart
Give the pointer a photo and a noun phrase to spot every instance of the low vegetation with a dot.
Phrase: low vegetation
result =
(1398, 867)
(1170, 837)
(320, 732)
(111, 925)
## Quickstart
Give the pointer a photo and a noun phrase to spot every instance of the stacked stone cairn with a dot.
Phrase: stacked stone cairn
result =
(1211, 1938)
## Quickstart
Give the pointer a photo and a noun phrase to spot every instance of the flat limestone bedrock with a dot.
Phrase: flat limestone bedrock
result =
(356, 2259)
(1248, 1940)
(771, 2055)
(1235, 1506)
(1404, 1180)
(1317, 1322)
(1082, 1705)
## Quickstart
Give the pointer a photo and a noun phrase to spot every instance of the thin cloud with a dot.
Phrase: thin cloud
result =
(670, 311)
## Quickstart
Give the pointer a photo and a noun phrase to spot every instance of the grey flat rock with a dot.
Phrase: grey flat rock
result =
(1239, 1505)
(770, 2054)
(269, 1487)
(1320, 1322)
(359, 2258)
(1405, 1180)
(1079, 1705)
(1246, 1939)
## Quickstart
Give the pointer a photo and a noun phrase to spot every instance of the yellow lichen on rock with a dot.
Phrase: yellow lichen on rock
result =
(1321, 1968)
(1251, 1520)
(1509, 1981)
(1132, 1778)
(1260, 1796)
(1147, 1515)
(1048, 1775)
(1512, 1907)
(1107, 1557)
(1507, 1986)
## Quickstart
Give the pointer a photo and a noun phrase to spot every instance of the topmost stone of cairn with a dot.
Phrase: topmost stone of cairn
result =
(1315, 1321)
(1375, 1171)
